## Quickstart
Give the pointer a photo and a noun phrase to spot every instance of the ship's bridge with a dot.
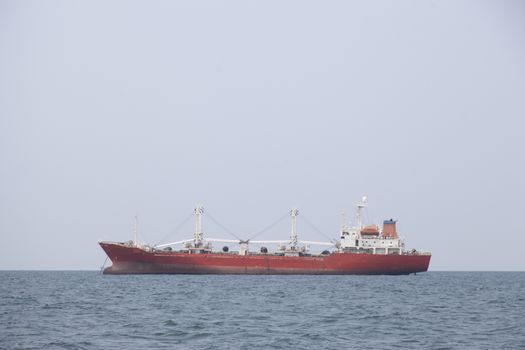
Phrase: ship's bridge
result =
(370, 238)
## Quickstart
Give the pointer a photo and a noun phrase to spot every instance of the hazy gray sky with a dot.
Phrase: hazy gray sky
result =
(114, 108)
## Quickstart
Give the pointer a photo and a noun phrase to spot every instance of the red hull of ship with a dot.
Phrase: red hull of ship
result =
(130, 260)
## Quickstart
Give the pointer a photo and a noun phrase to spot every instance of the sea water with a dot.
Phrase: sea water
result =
(433, 310)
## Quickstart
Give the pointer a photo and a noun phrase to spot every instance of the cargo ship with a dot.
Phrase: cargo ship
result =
(359, 249)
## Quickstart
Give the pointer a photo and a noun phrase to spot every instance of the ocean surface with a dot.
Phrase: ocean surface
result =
(433, 310)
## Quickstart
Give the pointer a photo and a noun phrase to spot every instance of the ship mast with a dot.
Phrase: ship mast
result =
(135, 232)
(359, 213)
(293, 236)
(198, 226)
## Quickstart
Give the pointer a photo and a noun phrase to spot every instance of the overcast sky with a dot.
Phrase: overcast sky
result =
(114, 108)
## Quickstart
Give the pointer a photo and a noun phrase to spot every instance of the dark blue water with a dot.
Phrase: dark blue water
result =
(434, 310)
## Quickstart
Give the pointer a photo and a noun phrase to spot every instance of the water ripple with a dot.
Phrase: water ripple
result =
(435, 310)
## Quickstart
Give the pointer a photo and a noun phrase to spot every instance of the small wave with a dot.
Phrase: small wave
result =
(170, 323)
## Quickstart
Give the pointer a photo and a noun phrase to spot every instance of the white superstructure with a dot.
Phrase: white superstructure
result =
(371, 238)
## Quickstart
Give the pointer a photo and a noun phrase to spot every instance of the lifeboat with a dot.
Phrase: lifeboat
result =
(371, 230)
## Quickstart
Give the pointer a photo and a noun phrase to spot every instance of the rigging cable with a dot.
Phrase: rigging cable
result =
(176, 229)
(316, 229)
(270, 226)
(222, 226)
